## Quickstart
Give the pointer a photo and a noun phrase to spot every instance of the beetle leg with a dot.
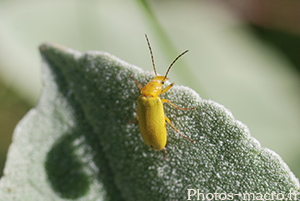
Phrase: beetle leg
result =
(180, 108)
(132, 122)
(165, 153)
(169, 122)
(139, 84)
(137, 118)
(167, 88)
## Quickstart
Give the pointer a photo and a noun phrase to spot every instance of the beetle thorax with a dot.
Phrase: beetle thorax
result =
(154, 87)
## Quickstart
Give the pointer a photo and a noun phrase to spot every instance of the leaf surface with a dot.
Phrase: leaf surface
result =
(77, 143)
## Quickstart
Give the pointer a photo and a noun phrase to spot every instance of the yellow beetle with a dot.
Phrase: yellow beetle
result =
(150, 110)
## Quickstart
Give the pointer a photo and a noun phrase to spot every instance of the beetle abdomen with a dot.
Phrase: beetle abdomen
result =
(152, 122)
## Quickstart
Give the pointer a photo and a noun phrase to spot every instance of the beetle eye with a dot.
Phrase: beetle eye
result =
(162, 82)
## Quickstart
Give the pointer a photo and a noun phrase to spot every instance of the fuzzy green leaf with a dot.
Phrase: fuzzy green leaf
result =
(77, 143)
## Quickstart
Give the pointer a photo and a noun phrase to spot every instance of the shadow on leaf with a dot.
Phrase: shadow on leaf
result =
(65, 170)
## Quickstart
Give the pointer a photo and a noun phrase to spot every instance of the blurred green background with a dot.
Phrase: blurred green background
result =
(243, 54)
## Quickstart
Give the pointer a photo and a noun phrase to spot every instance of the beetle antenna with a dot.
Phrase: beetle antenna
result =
(174, 62)
(151, 54)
